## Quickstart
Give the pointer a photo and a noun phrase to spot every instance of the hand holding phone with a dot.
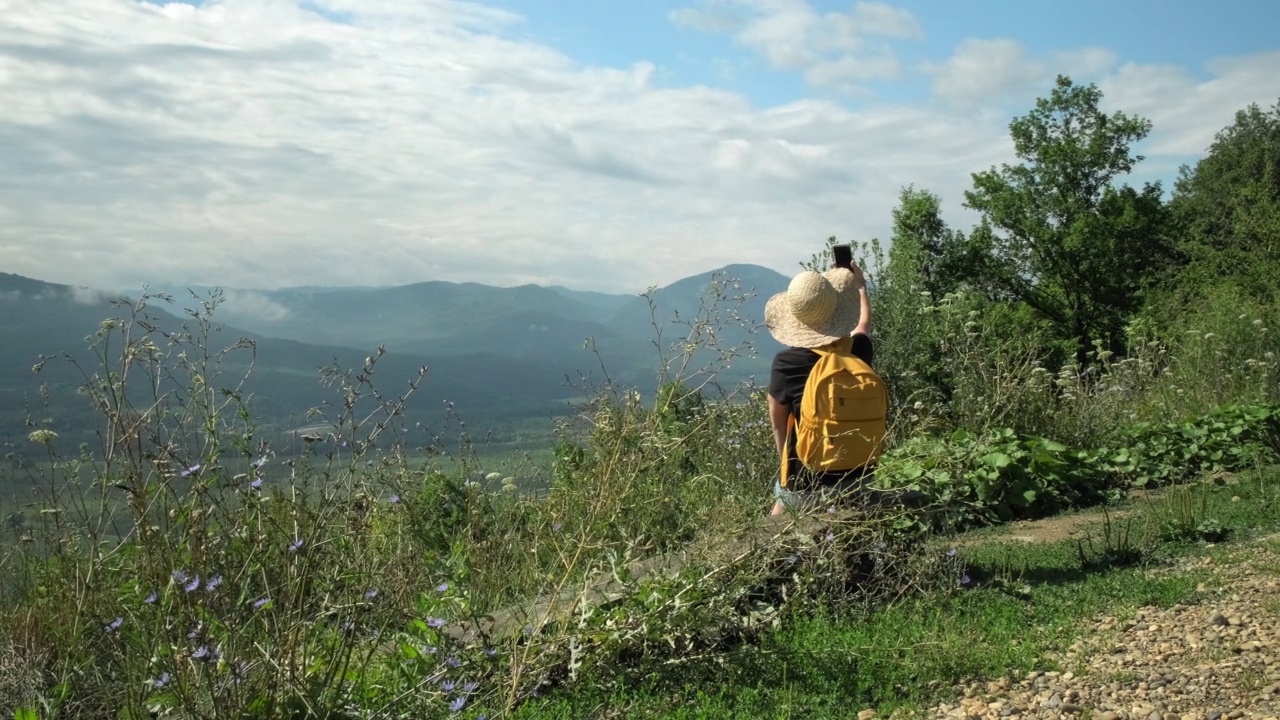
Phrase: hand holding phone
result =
(843, 255)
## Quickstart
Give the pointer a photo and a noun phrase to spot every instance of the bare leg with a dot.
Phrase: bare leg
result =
(778, 509)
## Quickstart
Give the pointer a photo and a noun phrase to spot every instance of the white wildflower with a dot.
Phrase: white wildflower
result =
(44, 437)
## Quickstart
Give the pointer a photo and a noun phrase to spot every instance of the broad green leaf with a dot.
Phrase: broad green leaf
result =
(997, 460)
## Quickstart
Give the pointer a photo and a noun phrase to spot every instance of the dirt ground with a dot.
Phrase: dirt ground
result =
(1062, 527)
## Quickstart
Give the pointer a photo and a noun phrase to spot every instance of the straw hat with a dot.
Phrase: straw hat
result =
(817, 309)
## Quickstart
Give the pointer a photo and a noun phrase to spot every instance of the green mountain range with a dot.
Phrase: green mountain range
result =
(503, 357)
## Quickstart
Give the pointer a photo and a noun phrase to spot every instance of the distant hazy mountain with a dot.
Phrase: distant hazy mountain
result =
(736, 303)
(490, 391)
(502, 355)
(744, 288)
(605, 302)
(528, 322)
(440, 312)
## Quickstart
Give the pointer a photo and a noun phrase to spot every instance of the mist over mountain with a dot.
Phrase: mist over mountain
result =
(284, 382)
(501, 355)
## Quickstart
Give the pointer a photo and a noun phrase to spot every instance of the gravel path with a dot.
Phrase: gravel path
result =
(1216, 660)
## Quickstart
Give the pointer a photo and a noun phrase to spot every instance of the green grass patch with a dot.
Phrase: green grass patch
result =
(907, 655)
(1022, 604)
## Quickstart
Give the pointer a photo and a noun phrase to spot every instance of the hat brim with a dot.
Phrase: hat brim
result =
(788, 330)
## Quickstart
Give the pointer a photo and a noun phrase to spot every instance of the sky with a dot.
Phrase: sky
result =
(603, 146)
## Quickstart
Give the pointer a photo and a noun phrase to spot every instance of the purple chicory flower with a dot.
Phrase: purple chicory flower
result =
(179, 576)
(191, 586)
(190, 471)
(430, 650)
(458, 703)
(201, 653)
(256, 484)
(557, 527)
(214, 583)
(965, 579)
(442, 587)
(468, 687)
(195, 633)
(257, 604)
(114, 625)
(453, 662)
(395, 498)
(371, 593)
(490, 652)
(437, 622)
(161, 681)
(152, 598)
(447, 685)
(296, 545)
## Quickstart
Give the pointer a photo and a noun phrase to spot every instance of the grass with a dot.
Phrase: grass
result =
(1027, 602)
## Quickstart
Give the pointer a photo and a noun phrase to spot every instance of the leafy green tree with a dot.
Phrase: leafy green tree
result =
(1227, 208)
(908, 350)
(925, 252)
(1056, 232)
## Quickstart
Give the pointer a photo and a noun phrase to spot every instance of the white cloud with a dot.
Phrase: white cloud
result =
(89, 296)
(1083, 64)
(255, 304)
(876, 18)
(1185, 111)
(254, 143)
(851, 70)
(723, 18)
(983, 71)
(831, 48)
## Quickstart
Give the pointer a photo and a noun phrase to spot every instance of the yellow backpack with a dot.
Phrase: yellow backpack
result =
(842, 413)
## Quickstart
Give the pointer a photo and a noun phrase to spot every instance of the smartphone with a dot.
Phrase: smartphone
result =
(843, 255)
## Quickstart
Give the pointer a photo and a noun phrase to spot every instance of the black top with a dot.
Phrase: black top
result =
(791, 368)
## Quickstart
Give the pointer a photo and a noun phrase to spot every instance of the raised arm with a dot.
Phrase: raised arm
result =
(864, 315)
